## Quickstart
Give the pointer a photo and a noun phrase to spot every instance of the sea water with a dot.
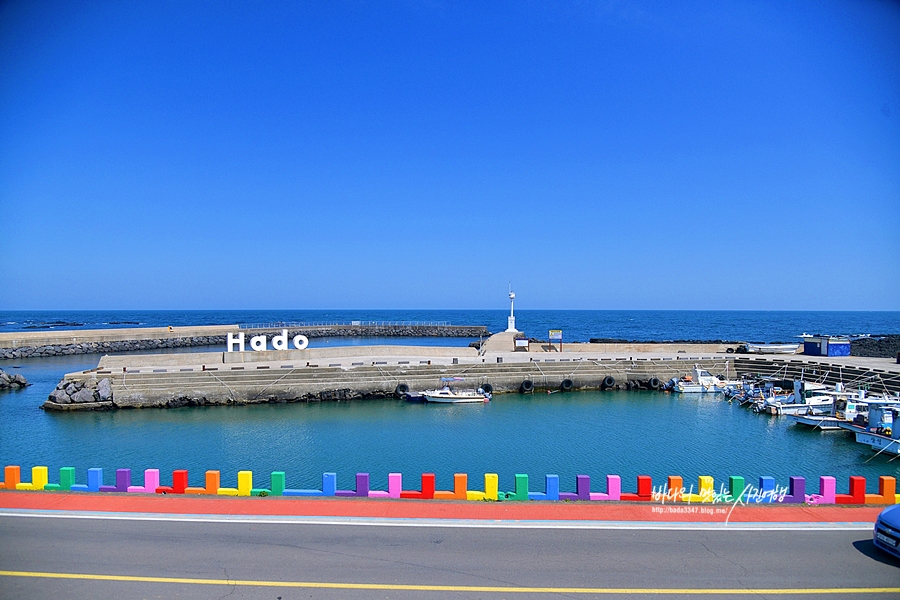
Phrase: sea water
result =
(593, 433)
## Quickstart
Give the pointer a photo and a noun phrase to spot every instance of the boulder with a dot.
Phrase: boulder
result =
(83, 395)
(104, 389)
(59, 397)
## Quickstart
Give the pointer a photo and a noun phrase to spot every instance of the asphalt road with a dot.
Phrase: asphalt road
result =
(221, 560)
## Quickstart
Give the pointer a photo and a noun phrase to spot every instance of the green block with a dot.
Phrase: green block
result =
(260, 492)
(277, 483)
(521, 493)
(735, 488)
(66, 478)
(52, 487)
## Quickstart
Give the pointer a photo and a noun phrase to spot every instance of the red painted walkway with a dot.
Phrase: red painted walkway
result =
(435, 509)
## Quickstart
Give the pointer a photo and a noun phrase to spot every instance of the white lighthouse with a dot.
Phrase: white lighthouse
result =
(511, 319)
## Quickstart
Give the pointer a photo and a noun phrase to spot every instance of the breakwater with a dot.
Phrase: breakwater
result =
(312, 376)
(26, 344)
(674, 490)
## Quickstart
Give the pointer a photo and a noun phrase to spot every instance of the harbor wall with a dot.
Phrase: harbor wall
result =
(299, 380)
(24, 344)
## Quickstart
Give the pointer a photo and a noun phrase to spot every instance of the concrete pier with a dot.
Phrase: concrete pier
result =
(352, 372)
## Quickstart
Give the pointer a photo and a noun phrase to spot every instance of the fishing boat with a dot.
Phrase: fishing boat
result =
(448, 395)
(700, 381)
(878, 431)
(847, 405)
(807, 396)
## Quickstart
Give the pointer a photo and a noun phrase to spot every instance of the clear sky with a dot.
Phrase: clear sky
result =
(424, 154)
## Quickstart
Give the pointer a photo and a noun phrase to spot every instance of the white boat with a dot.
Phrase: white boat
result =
(448, 395)
(847, 405)
(773, 348)
(807, 396)
(879, 432)
(702, 382)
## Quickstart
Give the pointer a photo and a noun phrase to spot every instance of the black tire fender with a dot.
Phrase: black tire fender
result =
(527, 386)
(566, 385)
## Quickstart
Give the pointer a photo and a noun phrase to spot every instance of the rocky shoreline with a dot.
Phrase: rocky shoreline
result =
(220, 340)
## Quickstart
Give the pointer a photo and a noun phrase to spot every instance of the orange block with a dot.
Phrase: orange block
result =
(887, 490)
(12, 476)
(460, 488)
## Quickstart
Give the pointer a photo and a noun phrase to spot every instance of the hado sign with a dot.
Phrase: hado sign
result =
(258, 342)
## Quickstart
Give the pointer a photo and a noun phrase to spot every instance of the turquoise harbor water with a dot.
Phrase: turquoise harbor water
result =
(595, 433)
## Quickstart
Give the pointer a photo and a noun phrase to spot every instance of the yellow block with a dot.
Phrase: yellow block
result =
(39, 478)
(491, 486)
(227, 492)
(707, 491)
(245, 482)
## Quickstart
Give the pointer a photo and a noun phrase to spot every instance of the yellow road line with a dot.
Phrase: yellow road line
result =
(450, 588)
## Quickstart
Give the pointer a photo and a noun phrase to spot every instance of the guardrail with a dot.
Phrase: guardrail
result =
(289, 325)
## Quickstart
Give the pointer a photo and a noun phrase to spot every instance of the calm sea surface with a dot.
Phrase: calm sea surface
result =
(596, 433)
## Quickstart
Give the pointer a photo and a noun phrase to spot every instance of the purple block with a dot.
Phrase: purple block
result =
(796, 492)
(362, 487)
(123, 480)
(582, 489)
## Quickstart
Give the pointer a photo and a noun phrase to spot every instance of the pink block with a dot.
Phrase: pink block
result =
(395, 484)
(827, 489)
(613, 489)
(378, 494)
(151, 482)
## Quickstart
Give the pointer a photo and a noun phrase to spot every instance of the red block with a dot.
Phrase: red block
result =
(644, 490)
(857, 493)
(179, 483)
(427, 492)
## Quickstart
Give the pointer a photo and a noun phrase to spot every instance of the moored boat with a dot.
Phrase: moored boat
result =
(448, 395)
(700, 381)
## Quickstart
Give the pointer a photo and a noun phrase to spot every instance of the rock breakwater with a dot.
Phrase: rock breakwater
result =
(108, 347)
(11, 382)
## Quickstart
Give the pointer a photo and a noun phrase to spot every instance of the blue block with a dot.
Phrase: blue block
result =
(329, 487)
(766, 492)
(94, 481)
(551, 488)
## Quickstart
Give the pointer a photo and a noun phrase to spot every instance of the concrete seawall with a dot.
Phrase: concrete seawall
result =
(24, 344)
(352, 372)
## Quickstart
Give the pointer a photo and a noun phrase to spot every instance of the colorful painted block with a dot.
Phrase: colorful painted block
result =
(582, 489)
(551, 489)
(39, 478)
(460, 488)
(521, 492)
(427, 492)
(329, 487)
(644, 490)
(151, 482)
(887, 491)
(66, 480)
(362, 488)
(857, 493)
(94, 481)
(12, 476)
(613, 489)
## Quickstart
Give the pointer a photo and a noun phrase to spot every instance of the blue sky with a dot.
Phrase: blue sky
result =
(598, 155)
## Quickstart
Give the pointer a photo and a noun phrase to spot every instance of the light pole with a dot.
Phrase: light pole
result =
(511, 320)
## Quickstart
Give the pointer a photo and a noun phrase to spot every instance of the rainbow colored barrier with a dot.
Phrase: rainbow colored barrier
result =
(673, 491)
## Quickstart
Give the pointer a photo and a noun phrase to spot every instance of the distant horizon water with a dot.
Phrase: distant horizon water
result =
(577, 325)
